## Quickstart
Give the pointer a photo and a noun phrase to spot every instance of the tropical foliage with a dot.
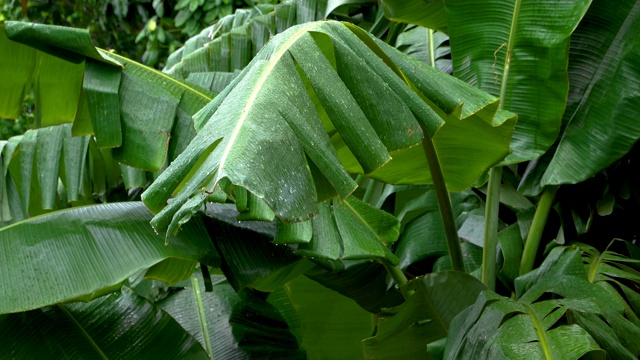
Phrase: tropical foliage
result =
(291, 187)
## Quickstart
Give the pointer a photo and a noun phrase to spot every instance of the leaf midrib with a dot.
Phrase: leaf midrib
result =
(256, 90)
(82, 330)
(507, 59)
(542, 335)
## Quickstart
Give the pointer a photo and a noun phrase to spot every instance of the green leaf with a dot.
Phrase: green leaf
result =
(73, 45)
(171, 271)
(601, 109)
(332, 5)
(240, 326)
(429, 13)
(101, 85)
(121, 325)
(17, 74)
(365, 283)
(255, 122)
(430, 47)
(423, 237)
(331, 326)
(518, 50)
(501, 328)
(48, 154)
(249, 258)
(405, 331)
(54, 107)
(365, 230)
(86, 249)
(147, 100)
(563, 274)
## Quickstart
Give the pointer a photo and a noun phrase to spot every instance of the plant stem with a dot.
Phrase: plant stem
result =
(432, 50)
(444, 202)
(398, 277)
(491, 219)
(537, 227)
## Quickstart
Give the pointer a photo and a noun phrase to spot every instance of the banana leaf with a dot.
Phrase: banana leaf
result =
(254, 122)
(330, 326)
(239, 325)
(516, 50)
(406, 330)
(602, 107)
(115, 102)
(121, 325)
(579, 319)
(78, 252)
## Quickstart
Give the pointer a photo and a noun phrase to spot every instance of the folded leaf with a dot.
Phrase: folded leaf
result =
(359, 111)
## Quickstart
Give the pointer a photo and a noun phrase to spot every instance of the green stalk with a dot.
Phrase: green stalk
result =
(201, 315)
(444, 202)
(491, 211)
(398, 277)
(432, 50)
(495, 174)
(537, 227)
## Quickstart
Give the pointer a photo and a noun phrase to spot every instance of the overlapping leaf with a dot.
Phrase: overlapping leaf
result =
(48, 169)
(330, 326)
(406, 330)
(501, 328)
(71, 253)
(239, 325)
(324, 96)
(602, 108)
(101, 329)
(128, 107)
(517, 50)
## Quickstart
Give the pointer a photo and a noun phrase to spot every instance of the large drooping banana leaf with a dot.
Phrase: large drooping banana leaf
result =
(239, 325)
(129, 107)
(517, 50)
(603, 106)
(580, 318)
(121, 325)
(360, 116)
(86, 251)
(405, 331)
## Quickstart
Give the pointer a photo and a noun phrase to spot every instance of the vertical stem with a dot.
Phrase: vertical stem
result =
(491, 219)
(537, 227)
(432, 50)
(444, 202)
(201, 315)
